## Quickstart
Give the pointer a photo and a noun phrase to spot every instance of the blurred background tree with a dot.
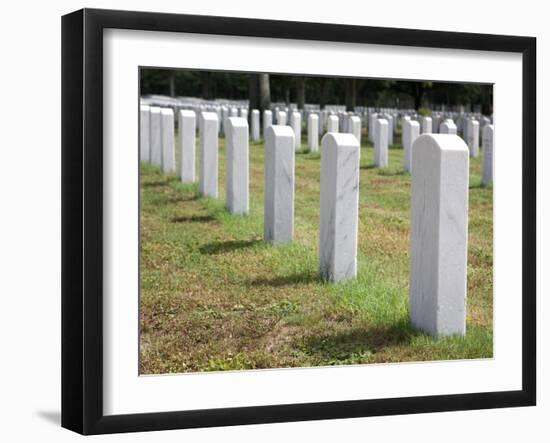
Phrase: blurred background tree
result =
(263, 89)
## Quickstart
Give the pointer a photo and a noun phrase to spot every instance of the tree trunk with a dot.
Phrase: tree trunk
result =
(300, 92)
(264, 92)
(172, 81)
(325, 93)
(253, 86)
(418, 94)
(486, 104)
(351, 93)
(205, 80)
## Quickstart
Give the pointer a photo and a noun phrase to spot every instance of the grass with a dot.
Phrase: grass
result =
(214, 296)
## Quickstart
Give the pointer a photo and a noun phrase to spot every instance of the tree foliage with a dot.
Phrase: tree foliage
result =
(260, 89)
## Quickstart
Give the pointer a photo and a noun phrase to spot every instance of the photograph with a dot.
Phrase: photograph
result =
(298, 221)
(274, 222)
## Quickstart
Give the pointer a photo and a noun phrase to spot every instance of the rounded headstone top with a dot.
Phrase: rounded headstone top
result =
(205, 115)
(279, 131)
(237, 121)
(488, 129)
(340, 139)
(441, 142)
(187, 113)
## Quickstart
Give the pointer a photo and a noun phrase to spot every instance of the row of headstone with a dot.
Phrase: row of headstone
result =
(439, 196)
(226, 111)
(389, 128)
(157, 137)
(411, 131)
(198, 105)
(161, 151)
(394, 116)
(439, 217)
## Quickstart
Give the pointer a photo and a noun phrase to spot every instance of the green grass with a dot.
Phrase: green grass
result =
(214, 296)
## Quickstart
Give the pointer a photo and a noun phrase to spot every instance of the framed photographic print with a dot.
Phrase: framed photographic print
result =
(270, 221)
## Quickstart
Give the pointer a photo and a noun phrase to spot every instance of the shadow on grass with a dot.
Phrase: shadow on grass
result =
(370, 166)
(479, 185)
(359, 341)
(383, 171)
(194, 219)
(156, 183)
(178, 199)
(308, 155)
(221, 247)
(170, 199)
(286, 280)
(391, 173)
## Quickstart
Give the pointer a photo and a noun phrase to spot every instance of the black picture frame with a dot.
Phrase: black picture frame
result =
(82, 218)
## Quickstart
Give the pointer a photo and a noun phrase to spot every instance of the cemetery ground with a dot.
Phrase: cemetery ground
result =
(214, 296)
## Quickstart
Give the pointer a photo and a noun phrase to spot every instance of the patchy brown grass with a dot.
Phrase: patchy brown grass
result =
(215, 297)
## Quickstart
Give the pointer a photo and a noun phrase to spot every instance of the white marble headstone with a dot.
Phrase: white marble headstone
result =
(488, 147)
(313, 132)
(389, 119)
(339, 206)
(281, 118)
(296, 124)
(268, 120)
(279, 184)
(354, 127)
(156, 136)
(236, 165)
(225, 116)
(168, 151)
(208, 169)
(187, 129)
(472, 137)
(448, 127)
(144, 133)
(411, 131)
(332, 124)
(426, 125)
(255, 125)
(439, 234)
(381, 143)
(372, 126)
